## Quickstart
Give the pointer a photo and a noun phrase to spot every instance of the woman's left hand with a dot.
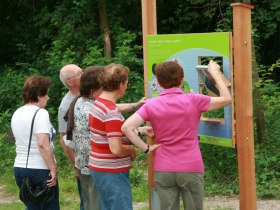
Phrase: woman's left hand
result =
(141, 102)
(147, 130)
(52, 181)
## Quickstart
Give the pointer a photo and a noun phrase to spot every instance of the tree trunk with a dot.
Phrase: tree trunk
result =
(104, 26)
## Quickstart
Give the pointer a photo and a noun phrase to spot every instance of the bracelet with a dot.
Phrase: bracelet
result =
(148, 149)
(138, 132)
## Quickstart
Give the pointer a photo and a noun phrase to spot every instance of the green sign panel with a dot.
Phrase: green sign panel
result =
(191, 50)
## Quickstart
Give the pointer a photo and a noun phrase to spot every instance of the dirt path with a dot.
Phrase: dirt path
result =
(232, 203)
(226, 203)
(210, 203)
(6, 198)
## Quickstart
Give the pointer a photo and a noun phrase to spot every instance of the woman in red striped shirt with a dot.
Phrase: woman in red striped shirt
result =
(111, 153)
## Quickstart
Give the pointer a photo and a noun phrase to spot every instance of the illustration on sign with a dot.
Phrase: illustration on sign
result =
(193, 52)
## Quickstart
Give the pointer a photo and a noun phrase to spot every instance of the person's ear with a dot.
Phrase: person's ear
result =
(68, 82)
(121, 86)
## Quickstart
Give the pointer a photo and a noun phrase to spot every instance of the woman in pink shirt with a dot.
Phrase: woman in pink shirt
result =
(175, 117)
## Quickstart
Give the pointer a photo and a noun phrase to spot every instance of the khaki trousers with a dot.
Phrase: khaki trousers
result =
(170, 185)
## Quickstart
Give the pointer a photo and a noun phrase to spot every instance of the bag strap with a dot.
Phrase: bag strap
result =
(69, 118)
(31, 130)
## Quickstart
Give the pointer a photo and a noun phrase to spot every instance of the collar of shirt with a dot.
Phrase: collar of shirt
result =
(173, 90)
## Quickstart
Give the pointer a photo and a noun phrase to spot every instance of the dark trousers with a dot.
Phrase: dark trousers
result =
(36, 176)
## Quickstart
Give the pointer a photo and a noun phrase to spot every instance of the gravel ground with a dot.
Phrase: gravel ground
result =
(210, 203)
(226, 203)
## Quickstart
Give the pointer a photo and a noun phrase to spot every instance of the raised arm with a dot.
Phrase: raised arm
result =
(225, 97)
(128, 107)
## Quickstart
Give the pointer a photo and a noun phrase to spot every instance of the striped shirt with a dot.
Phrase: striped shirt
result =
(105, 122)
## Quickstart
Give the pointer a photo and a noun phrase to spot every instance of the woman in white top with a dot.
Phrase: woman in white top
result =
(41, 160)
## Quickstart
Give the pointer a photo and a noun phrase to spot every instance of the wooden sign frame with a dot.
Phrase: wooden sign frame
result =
(243, 98)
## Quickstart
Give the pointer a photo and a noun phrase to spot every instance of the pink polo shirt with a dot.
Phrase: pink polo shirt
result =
(174, 117)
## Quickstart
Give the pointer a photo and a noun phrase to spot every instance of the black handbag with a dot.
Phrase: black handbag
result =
(35, 194)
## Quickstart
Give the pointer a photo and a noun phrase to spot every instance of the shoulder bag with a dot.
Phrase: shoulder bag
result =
(35, 194)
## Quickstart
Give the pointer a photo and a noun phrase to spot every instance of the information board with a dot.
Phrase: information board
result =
(191, 50)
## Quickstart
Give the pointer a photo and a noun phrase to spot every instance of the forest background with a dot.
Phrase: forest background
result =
(39, 37)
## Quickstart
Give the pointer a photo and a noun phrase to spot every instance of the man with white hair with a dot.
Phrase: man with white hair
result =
(70, 76)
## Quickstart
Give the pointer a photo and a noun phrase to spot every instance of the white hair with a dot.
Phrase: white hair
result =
(65, 73)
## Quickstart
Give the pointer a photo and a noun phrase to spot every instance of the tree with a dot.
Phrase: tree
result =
(104, 26)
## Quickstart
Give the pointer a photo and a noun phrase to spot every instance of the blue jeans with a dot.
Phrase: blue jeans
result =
(114, 190)
(36, 176)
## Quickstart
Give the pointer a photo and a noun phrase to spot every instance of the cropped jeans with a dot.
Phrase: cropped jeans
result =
(36, 176)
(114, 190)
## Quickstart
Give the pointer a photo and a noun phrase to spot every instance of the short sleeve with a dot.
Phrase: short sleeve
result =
(143, 112)
(42, 122)
(201, 102)
(113, 123)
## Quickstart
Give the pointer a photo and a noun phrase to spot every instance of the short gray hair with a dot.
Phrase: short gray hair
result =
(64, 72)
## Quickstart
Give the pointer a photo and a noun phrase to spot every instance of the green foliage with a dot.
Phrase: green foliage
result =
(7, 151)
(267, 155)
(220, 170)
(5, 118)
(270, 101)
(11, 88)
(40, 38)
(215, 114)
(139, 177)
(138, 172)
(268, 170)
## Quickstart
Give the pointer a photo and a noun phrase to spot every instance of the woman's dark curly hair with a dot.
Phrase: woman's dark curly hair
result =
(89, 80)
(34, 87)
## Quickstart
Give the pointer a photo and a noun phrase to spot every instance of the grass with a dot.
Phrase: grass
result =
(68, 193)
(69, 198)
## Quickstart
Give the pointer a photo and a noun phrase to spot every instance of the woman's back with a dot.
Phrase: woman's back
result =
(21, 126)
(174, 117)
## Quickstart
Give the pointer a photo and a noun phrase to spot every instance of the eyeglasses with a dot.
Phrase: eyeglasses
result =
(76, 75)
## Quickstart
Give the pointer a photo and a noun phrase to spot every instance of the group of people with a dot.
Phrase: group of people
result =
(96, 137)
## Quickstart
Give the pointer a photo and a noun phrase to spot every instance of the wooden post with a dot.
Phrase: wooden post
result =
(244, 105)
(149, 27)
